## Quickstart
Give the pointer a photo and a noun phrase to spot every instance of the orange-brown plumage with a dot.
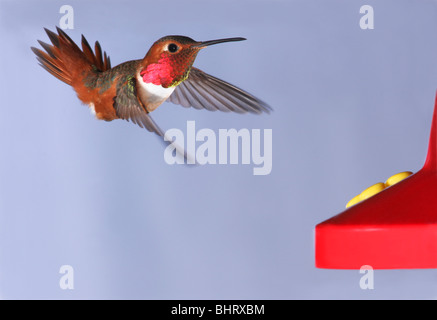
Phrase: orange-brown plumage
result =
(67, 62)
(133, 89)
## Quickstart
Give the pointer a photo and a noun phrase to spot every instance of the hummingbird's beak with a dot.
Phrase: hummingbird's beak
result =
(204, 44)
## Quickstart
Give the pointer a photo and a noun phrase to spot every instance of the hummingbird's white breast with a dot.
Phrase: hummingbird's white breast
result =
(152, 95)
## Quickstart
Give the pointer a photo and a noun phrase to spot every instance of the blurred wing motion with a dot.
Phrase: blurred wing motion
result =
(203, 91)
(128, 107)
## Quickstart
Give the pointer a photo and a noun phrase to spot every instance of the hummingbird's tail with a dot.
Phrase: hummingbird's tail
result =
(66, 61)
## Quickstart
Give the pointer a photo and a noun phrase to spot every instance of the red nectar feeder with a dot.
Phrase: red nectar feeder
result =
(394, 229)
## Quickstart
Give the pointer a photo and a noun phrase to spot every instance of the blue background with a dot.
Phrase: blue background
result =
(352, 107)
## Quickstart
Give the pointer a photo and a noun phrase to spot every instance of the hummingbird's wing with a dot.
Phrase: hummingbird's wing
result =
(128, 107)
(203, 91)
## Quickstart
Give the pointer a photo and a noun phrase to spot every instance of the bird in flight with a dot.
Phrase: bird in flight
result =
(133, 89)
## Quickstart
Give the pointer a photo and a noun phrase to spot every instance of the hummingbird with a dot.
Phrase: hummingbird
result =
(134, 89)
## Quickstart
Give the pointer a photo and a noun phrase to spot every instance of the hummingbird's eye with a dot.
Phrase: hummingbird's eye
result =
(172, 48)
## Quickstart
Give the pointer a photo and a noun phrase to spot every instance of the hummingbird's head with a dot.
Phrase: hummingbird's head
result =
(170, 59)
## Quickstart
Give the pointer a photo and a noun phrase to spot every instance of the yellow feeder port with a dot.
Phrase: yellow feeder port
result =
(397, 178)
(371, 191)
(378, 187)
(354, 201)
